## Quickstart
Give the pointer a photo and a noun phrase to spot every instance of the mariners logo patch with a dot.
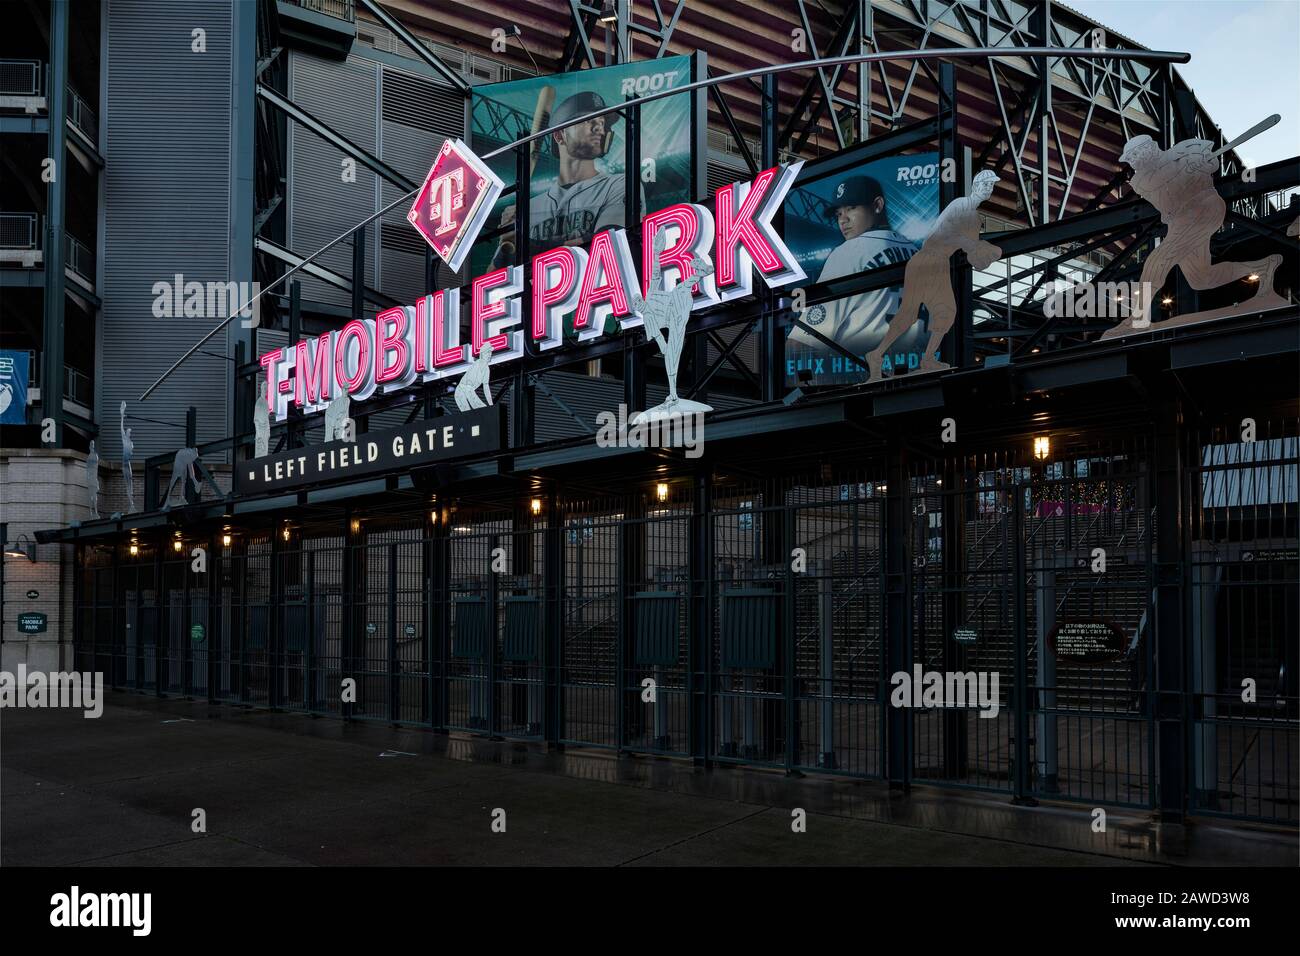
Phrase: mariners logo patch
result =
(815, 315)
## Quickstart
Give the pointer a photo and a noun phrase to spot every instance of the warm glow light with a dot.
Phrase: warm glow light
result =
(1167, 300)
(356, 525)
(135, 549)
(225, 540)
(285, 533)
(1042, 447)
(661, 491)
(176, 545)
(1253, 277)
(535, 506)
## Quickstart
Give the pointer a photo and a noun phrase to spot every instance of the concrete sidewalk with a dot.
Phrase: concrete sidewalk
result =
(288, 790)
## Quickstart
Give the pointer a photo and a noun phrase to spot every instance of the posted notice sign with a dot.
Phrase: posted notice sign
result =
(374, 453)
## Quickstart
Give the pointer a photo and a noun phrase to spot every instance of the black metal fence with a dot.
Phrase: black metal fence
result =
(749, 622)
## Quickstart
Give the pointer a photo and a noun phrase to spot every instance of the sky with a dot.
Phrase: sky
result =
(1245, 59)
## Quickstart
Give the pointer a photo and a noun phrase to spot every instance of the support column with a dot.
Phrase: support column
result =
(523, 394)
(552, 644)
(957, 348)
(55, 239)
(954, 655)
(1021, 702)
(898, 608)
(296, 436)
(438, 611)
(275, 620)
(243, 150)
(773, 335)
(1172, 713)
(348, 636)
(700, 677)
(631, 573)
(391, 625)
(1045, 730)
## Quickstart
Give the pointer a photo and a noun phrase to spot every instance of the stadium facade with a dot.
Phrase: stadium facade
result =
(1108, 525)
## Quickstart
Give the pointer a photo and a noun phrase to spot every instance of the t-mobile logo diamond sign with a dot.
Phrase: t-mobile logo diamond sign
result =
(454, 201)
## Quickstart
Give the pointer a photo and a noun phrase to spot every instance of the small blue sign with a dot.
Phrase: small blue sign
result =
(13, 387)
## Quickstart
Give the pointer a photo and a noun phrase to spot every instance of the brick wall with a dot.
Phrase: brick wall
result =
(41, 489)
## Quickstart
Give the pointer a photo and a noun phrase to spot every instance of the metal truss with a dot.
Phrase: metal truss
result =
(1047, 111)
(819, 94)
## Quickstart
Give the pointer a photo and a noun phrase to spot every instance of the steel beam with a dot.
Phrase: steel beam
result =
(342, 143)
(421, 51)
(52, 337)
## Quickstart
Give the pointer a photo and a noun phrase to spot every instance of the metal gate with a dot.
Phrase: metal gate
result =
(748, 625)
(1087, 544)
(1244, 620)
(496, 665)
(838, 620)
(589, 678)
(654, 613)
(963, 554)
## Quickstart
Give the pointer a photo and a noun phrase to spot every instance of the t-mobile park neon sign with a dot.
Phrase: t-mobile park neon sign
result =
(422, 342)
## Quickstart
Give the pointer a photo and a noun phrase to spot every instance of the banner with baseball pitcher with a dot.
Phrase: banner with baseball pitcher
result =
(873, 215)
(579, 174)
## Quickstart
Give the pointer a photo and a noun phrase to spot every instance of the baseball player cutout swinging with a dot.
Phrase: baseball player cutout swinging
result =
(927, 280)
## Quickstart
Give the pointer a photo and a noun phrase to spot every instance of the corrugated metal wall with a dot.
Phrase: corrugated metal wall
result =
(166, 180)
(399, 117)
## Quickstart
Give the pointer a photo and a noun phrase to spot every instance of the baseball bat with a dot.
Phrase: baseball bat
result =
(541, 120)
(1267, 123)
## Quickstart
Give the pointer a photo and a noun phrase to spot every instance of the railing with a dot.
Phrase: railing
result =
(82, 116)
(77, 385)
(19, 230)
(21, 77)
(80, 259)
(339, 9)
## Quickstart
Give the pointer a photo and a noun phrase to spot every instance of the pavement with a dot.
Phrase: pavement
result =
(280, 789)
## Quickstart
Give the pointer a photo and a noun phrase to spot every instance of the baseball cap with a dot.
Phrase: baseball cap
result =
(853, 191)
(1133, 146)
(579, 105)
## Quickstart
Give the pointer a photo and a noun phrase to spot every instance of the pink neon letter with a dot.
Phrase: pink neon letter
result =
(312, 371)
(385, 343)
(357, 330)
(602, 261)
(736, 228)
(561, 264)
(422, 333)
(446, 317)
(681, 252)
(481, 310)
(269, 361)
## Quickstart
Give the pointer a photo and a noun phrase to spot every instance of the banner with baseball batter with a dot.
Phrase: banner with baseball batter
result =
(873, 215)
(579, 174)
